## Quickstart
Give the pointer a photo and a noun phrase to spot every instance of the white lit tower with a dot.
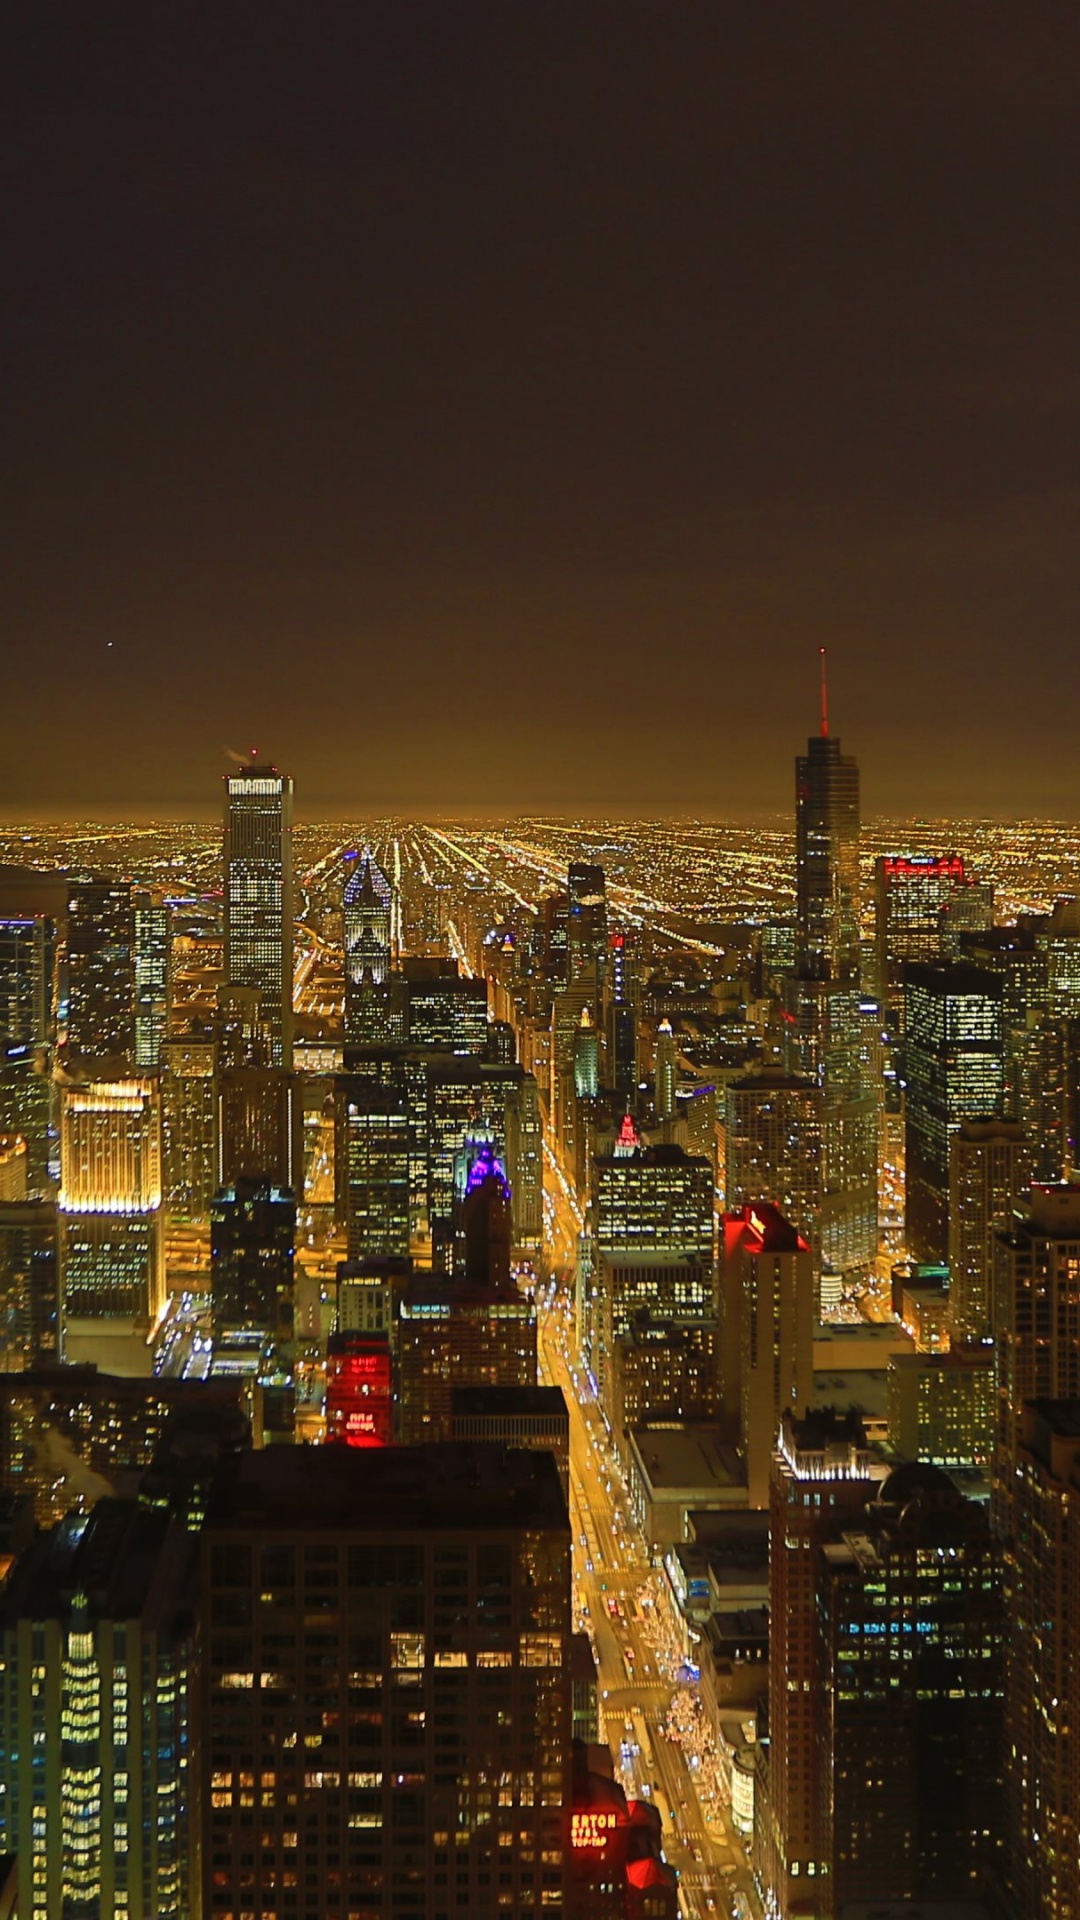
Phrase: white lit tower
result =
(258, 862)
(369, 915)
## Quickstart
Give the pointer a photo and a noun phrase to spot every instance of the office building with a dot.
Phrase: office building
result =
(825, 1041)
(943, 1406)
(372, 1162)
(27, 983)
(554, 913)
(768, 1302)
(416, 1741)
(189, 1123)
(372, 1015)
(586, 921)
(1038, 1059)
(909, 1688)
(98, 982)
(662, 1370)
(359, 1389)
(477, 1329)
(827, 860)
(464, 1095)
(252, 1251)
(665, 1077)
(446, 1010)
(820, 1479)
(112, 1281)
(910, 892)
(29, 1302)
(258, 864)
(989, 1174)
(1042, 1686)
(622, 1014)
(153, 970)
(260, 1121)
(96, 1623)
(773, 1129)
(954, 1070)
(367, 1293)
(1036, 1324)
(653, 1199)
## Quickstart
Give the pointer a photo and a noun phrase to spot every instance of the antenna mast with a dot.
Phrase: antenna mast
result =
(824, 695)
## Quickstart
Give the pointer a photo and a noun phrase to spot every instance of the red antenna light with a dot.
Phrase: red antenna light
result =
(824, 695)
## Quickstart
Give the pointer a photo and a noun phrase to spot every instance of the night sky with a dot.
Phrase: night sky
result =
(500, 404)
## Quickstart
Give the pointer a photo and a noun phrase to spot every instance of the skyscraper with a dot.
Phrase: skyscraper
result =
(112, 1281)
(773, 1123)
(767, 1332)
(909, 1686)
(368, 918)
(98, 986)
(821, 1002)
(153, 970)
(827, 858)
(395, 1713)
(586, 921)
(189, 1114)
(95, 1662)
(988, 1181)
(1036, 1324)
(1042, 1686)
(258, 864)
(910, 892)
(821, 1475)
(622, 1016)
(954, 1070)
(665, 1076)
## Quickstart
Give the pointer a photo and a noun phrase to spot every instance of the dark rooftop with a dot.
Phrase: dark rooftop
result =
(509, 1400)
(458, 1486)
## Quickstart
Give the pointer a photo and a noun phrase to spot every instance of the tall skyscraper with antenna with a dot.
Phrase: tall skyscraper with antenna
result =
(827, 856)
(259, 896)
(822, 998)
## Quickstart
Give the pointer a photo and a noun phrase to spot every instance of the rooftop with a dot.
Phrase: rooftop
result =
(458, 1486)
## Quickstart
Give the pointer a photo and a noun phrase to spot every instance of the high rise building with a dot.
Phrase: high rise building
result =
(447, 1010)
(1036, 1324)
(252, 1253)
(943, 1406)
(908, 1690)
(820, 1478)
(95, 1668)
(954, 1069)
(665, 1080)
(586, 921)
(988, 1180)
(189, 1118)
(153, 971)
(769, 1303)
(772, 1127)
(112, 1282)
(29, 1307)
(825, 1040)
(27, 959)
(910, 892)
(622, 1016)
(98, 981)
(421, 1749)
(1043, 1665)
(372, 1013)
(258, 863)
(372, 1162)
(827, 858)
(259, 1126)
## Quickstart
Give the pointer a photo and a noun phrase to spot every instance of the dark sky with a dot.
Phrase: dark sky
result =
(501, 403)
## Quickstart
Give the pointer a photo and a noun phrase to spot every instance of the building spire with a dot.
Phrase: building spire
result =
(824, 694)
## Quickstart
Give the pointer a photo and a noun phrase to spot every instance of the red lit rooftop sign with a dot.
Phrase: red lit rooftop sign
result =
(924, 866)
(591, 1828)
